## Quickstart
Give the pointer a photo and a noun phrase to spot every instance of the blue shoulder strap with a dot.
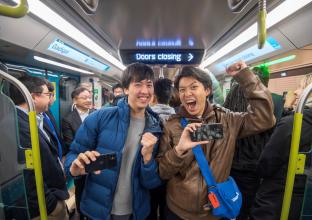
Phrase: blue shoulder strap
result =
(201, 160)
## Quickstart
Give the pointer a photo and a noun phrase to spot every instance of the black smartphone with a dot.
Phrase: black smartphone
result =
(104, 161)
(206, 132)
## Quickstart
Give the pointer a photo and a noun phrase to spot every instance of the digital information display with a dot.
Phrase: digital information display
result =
(251, 53)
(66, 50)
(192, 56)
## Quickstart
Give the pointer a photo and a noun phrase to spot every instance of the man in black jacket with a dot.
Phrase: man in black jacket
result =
(82, 100)
(273, 168)
(53, 176)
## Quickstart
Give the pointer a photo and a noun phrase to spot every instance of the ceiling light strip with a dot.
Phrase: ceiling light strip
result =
(44, 60)
(39, 9)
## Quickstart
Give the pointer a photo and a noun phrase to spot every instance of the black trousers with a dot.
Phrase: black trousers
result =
(158, 201)
(79, 186)
(170, 215)
(248, 183)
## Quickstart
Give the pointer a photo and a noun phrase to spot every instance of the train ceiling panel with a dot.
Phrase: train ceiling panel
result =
(129, 24)
(25, 32)
(298, 28)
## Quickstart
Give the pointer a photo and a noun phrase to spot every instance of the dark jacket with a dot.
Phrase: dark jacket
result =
(53, 175)
(248, 149)
(106, 131)
(186, 188)
(49, 131)
(272, 167)
(70, 124)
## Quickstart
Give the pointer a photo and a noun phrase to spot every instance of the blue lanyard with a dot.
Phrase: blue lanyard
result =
(59, 146)
(201, 160)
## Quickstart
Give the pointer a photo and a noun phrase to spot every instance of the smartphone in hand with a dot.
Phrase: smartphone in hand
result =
(206, 132)
(104, 161)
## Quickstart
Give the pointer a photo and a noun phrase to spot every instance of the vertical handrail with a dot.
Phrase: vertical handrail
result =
(34, 142)
(293, 157)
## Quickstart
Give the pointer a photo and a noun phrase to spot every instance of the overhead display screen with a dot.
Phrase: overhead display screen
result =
(190, 56)
(66, 50)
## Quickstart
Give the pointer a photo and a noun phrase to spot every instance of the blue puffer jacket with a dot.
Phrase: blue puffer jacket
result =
(106, 131)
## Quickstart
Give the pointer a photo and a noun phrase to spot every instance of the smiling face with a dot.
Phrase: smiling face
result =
(140, 94)
(193, 95)
(84, 100)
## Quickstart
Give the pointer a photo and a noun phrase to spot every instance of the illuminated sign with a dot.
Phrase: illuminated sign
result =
(159, 43)
(162, 56)
(164, 43)
(280, 60)
(66, 50)
(251, 53)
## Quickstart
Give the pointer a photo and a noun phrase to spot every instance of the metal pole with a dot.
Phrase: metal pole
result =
(293, 157)
(34, 142)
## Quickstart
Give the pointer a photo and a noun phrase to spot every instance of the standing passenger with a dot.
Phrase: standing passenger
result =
(248, 149)
(52, 171)
(163, 93)
(272, 165)
(82, 102)
(186, 188)
(131, 130)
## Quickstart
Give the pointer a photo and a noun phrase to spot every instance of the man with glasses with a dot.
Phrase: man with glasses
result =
(82, 102)
(52, 171)
(49, 122)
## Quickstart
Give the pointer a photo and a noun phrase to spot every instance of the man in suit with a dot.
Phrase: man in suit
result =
(49, 122)
(82, 100)
(52, 171)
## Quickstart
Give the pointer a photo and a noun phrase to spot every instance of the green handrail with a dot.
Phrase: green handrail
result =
(18, 11)
(34, 142)
(293, 157)
(262, 23)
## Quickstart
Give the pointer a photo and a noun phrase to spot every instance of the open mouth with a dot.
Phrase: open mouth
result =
(191, 105)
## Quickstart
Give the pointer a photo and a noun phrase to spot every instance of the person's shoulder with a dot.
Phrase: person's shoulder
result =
(219, 108)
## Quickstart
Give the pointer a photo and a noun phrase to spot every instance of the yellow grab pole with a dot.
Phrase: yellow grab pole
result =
(262, 24)
(292, 165)
(37, 164)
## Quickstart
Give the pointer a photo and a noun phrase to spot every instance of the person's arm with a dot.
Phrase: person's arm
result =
(81, 150)
(149, 176)
(260, 115)
(171, 158)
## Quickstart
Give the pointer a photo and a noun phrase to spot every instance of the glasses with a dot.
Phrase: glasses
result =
(49, 94)
(84, 97)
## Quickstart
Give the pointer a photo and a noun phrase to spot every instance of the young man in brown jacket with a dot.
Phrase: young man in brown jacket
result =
(186, 187)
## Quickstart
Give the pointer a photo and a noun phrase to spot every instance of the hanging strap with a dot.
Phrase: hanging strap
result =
(201, 160)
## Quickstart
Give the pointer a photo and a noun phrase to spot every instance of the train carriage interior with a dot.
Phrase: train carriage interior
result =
(91, 42)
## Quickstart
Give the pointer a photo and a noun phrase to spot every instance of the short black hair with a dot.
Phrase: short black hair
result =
(198, 74)
(78, 90)
(136, 72)
(117, 85)
(50, 86)
(32, 83)
(163, 90)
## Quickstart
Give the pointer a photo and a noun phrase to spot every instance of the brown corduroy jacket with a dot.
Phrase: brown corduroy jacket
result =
(186, 187)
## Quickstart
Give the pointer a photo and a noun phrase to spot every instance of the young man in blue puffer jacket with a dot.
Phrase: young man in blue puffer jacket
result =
(131, 130)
